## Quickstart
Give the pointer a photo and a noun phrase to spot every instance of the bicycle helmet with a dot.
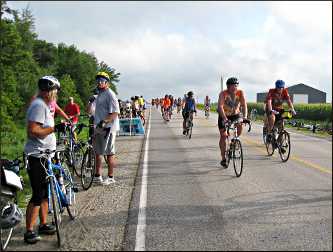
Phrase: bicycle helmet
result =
(232, 81)
(103, 75)
(190, 94)
(279, 84)
(48, 83)
(11, 215)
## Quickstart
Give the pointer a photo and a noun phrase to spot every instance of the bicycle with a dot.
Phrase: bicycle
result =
(165, 115)
(280, 138)
(75, 149)
(10, 214)
(207, 112)
(189, 125)
(61, 189)
(234, 148)
(88, 165)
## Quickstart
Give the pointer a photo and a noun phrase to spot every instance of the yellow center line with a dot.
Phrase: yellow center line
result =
(293, 157)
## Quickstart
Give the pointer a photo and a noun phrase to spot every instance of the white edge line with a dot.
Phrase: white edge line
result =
(141, 226)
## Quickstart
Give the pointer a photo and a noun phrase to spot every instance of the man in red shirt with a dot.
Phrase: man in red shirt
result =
(72, 110)
(274, 101)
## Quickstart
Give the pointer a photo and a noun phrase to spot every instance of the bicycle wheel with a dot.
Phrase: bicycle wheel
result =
(284, 145)
(270, 146)
(88, 168)
(264, 134)
(237, 157)
(55, 209)
(77, 158)
(190, 129)
(70, 191)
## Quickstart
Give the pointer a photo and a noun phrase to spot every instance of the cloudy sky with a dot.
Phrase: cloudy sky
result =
(173, 47)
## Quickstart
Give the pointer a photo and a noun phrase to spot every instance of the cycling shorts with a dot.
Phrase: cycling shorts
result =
(221, 123)
(37, 176)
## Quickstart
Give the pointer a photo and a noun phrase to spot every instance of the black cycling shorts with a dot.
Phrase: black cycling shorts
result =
(231, 118)
(37, 175)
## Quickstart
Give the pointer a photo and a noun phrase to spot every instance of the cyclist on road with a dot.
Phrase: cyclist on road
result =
(189, 108)
(165, 107)
(106, 125)
(229, 107)
(273, 103)
(207, 104)
(40, 128)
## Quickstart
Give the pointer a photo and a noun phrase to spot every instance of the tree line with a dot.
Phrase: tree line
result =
(24, 59)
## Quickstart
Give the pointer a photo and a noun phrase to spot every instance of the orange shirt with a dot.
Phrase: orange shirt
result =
(166, 103)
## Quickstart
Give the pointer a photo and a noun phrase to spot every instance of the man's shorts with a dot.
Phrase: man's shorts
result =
(277, 117)
(231, 118)
(104, 143)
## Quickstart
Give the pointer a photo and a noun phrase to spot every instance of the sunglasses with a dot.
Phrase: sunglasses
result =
(101, 80)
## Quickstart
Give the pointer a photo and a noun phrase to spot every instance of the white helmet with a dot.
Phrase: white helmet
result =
(47, 83)
(11, 215)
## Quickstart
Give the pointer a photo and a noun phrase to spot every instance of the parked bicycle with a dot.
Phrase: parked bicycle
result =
(234, 150)
(280, 138)
(88, 165)
(74, 148)
(61, 188)
(10, 214)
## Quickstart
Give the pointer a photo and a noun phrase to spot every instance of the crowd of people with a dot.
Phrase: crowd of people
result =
(105, 110)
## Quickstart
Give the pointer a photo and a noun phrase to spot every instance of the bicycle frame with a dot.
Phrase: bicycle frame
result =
(61, 197)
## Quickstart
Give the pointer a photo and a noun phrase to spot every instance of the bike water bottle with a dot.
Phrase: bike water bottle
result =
(61, 183)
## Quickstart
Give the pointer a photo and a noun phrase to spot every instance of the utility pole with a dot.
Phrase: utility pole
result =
(221, 82)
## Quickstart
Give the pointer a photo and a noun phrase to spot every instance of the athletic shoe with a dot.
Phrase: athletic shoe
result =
(224, 163)
(31, 237)
(98, 180)
(47, 229)
(109, 181)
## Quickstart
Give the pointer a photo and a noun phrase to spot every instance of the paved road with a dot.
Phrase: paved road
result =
(194, 204)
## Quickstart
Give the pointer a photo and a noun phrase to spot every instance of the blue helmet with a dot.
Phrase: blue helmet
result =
(279, 84)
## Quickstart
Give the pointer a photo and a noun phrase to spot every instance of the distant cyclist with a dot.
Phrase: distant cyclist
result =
(273, 103)
(165, 107)
(229, 108)
(189, 109)
(207, 105)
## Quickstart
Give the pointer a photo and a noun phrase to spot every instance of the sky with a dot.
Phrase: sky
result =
(175, 47)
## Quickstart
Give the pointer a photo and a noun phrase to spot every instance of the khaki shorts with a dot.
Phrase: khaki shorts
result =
(104, 142)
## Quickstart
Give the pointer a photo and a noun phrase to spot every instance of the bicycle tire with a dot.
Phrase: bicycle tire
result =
(70, 193)
(88, 167)
(264, 134)
(269, 147)
(190, 133)
(77, 158)
(237, 155)
(283, 144)
(56, 211)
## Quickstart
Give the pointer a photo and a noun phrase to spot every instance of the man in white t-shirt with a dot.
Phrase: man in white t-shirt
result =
(106, 126)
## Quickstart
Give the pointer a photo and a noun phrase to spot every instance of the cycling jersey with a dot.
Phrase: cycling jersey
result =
(166, 103)
(189, 105)
(277, 98)
(231, 104)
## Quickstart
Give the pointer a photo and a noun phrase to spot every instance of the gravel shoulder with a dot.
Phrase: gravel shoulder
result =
(102, 210)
